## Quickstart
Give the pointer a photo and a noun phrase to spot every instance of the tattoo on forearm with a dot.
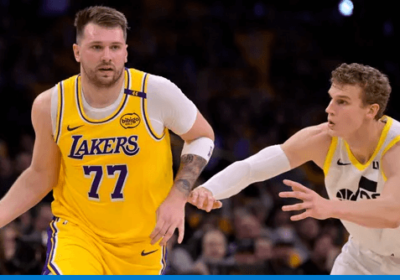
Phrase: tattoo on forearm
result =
(186, 159)
(189, 170)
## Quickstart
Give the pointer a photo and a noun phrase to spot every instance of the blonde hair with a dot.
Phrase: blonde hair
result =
(375, 85)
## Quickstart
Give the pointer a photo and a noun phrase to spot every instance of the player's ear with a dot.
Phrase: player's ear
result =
(76, 50)
(373, 110)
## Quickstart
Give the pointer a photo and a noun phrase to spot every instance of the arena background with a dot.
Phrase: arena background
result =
(258, 71)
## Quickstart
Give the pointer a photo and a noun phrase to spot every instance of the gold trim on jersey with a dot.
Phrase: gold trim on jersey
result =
(329, 156)
(149, 127)
(391, 144)
(353, 159)
(118, 110)
(60, 107)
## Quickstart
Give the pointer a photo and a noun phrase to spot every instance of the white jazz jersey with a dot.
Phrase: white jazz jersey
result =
(346, 178)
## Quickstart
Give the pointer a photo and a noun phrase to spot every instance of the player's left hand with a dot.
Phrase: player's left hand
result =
(170, 215)
(316, 206)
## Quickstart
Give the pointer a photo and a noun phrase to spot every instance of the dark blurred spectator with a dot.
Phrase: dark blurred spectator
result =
(263, 249)
(43, 217)
(3, 149)
(246, 259)
(29, 258)
(31, 247)
(318, 263)
(26, 223)
(22, 162)
(247, 226)
(7, 175)
(179, 260)
(202, 223)
(26, 143)
(213, 259)
(307, 231)
(284, 258)
(9, 246)
(263, 253)
(3, 269)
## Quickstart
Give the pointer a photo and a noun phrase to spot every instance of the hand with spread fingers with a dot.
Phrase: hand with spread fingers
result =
(316, 206)
(203, 199)
(170, 216)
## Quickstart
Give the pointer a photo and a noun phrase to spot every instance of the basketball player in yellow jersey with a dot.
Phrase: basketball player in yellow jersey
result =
(359, 151)
(102, 144)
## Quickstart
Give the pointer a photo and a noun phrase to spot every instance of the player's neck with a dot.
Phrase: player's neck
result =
(364, 141)
(100, 97)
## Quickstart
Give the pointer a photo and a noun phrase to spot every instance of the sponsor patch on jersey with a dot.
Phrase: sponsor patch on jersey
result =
(130, 120)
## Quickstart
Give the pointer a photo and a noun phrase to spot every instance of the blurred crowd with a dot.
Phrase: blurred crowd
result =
(257, 70)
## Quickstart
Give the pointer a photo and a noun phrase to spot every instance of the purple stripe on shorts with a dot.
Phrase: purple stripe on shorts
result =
(45, 270)
(164, 257)
(51, 236)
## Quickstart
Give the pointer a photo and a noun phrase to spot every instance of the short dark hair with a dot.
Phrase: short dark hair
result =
(100, 15)
(375, 85)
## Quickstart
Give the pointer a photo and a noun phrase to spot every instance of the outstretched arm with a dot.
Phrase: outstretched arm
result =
(41, 176)
(311, 143)
(382, 212)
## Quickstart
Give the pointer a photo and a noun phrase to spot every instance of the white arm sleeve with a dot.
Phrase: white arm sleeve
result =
(202, 147)
(264, 165)
(168, 106)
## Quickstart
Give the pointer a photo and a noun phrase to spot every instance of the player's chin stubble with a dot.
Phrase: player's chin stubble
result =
(93, 77)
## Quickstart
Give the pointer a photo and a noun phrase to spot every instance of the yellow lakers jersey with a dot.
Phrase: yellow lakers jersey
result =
(115, 172)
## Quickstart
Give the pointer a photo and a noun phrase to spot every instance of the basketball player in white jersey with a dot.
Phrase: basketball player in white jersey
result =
(358, 149)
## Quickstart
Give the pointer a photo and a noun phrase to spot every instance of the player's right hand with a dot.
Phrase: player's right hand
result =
(203, 199)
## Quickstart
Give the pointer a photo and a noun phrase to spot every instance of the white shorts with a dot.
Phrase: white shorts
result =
(355, 260)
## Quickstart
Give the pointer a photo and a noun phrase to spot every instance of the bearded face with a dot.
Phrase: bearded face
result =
(102, 53)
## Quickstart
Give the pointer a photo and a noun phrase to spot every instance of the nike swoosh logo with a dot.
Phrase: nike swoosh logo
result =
(342, 163)
(73, 128)
(148, 253)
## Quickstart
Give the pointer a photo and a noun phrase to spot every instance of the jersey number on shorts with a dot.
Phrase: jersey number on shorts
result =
(122, 171)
